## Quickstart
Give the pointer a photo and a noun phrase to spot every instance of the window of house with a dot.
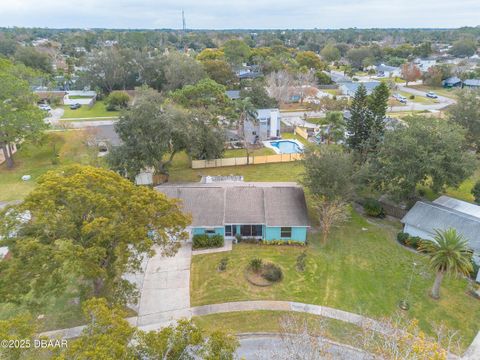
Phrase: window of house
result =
(254, 133)
(286, 232)
(251, 230)
(209, 231)
(230, 230)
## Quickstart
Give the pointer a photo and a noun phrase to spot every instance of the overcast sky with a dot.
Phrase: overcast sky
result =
(240, 14)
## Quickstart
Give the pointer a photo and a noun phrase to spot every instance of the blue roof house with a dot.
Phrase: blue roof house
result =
(265, 211)
(350, 88)
(451, 82)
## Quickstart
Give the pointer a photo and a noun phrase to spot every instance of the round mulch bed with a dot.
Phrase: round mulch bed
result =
(256, 278)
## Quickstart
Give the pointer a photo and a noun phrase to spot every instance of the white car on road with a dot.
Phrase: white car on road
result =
(45, 107)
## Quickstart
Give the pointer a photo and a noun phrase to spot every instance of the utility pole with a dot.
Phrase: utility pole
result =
(184, 24)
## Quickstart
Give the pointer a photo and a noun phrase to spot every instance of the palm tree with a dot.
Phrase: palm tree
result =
(246, 111)
(448, 253)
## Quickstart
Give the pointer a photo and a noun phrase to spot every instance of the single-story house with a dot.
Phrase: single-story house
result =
(248, 72)
(233, 94)
(266, 126)
(425, 64)
(267, 211)
(49, 95)
(452, 81)
(387, 71)
(445, 212)
(350, 88)
(338, 78)
(472, 83)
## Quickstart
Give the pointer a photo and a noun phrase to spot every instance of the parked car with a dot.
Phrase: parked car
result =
(45, 107)
(75, 106)
(400, 98)
(432, 95)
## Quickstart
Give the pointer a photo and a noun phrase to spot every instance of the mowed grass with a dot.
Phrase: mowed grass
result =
(231, 153)
(362, 269)
(36, 159)
(97, 110)
(418, 99)
(180, 171)
(450, 93)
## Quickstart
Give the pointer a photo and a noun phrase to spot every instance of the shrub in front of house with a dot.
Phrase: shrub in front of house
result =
(283, 242)
(402, 237)
(302, 261)
(222, 265)
(203, 241)
(373, 208)
(414, 242)
(256, 265)
(410, 241)
(272, 272)
(117, 100)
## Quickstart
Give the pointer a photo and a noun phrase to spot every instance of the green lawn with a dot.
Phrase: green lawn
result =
(35, 160)
(97, 110)
(180, 171)
(418, 99)
(242, 152)
(439, 90)
(363, 271)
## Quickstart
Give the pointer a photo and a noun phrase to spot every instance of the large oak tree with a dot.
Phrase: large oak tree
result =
(84, 227)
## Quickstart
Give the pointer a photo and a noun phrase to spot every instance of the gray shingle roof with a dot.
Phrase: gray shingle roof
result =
(205, 205)
(429, 216)
(283, 203)
(472, 82)
(244, 205)
(217, 205)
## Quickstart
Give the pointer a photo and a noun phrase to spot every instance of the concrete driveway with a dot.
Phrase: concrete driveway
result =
(165, 288)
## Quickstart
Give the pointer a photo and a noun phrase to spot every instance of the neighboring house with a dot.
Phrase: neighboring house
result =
(338, 78)
(267, 211)
(445, 212)
(472, 83)
(48, 96)
(266, 126)
(387, 71)
(248, 72)
(103, 136)
(452, 82)
(425, 64)
(233, 94)
(350, 88)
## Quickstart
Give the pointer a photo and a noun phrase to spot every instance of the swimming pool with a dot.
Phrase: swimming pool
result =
(285, 146)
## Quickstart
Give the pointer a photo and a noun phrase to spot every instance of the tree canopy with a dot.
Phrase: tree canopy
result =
(466, 113)
(86, 227)
(20, 119)
(109, 336)
(428, 151)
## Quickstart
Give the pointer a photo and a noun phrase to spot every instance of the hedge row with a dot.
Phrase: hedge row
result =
(202, 241)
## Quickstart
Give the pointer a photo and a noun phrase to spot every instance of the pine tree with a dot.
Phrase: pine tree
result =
(356, 124)
(377, 105)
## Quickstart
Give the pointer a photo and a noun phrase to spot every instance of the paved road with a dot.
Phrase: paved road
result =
(271, 346)
(86, 123)
(442, 101)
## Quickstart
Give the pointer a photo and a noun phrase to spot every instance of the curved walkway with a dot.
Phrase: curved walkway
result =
(162, 319)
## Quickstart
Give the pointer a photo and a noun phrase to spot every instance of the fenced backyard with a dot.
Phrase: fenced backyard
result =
(252, 160)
